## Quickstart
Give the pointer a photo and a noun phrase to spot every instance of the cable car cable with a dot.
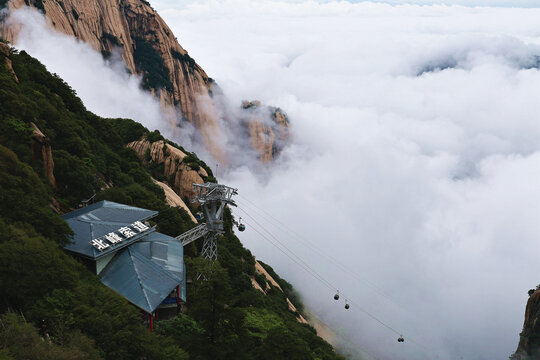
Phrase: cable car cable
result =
(290, 257)
(327, 283)
(324, 282)
(344, 267)
(318, 277)
(346, 270)
(305, 264)
(285, 246)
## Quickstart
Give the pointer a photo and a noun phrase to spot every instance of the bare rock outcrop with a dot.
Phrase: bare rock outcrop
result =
(173, 199)
(147, 45)
(259, 269)
(529, 339)
(42, 150)
(267, 137)
(5, 51)
(149, 48)
(179, 175)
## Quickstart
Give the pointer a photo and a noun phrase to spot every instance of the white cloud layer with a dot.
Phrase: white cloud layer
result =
(415, 160)
(166, 4)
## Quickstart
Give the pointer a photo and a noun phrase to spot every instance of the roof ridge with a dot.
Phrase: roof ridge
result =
(132, 252)
(77, 212)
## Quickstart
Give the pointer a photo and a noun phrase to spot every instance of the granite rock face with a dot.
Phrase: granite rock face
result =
(149, 48)
(180, 175)
(42, 150)
(529, 339)
(147, 45)
(5, 51)
(268, 129)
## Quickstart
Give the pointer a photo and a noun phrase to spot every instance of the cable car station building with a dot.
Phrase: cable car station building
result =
(129, 256)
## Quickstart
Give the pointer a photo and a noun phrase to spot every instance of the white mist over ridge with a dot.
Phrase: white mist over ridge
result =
(416, 159)
(106, 87)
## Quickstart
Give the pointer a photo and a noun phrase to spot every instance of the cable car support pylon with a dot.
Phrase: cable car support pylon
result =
(212, 198)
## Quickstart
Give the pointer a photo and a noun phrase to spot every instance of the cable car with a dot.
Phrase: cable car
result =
(347, 306)
(241, 227)
(400, 338)
(336, 297)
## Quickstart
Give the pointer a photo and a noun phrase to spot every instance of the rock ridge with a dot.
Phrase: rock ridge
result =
(178, 174)
(149, 48)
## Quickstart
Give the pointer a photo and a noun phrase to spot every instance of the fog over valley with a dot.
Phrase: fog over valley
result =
(411, 180)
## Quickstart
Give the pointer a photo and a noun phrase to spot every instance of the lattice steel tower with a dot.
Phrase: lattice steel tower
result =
(212, 198)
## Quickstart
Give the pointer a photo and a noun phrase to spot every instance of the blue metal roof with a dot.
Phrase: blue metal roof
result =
(163, 250)
(140, 280)
(167, 252)
(146, 267)
(97, 220)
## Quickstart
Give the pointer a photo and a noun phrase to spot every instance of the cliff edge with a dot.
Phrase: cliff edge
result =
(529, 339)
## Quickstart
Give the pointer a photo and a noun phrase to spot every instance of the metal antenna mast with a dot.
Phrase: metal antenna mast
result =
(212, 198)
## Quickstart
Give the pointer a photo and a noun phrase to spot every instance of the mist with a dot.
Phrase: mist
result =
(105, 86)
(414, 159)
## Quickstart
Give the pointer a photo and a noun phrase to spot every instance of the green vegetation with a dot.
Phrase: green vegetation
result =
(22, 341)
(191, 159)
(287, 288)
(226, 317)
(75, 14)
(110, 38)
(38, 4)
(149, 62)
(154, 136)
(61, 3)
(185, 58)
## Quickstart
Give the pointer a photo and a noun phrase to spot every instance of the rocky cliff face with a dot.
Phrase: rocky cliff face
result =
(149, 48)
(269, 279)
(42, 150)
(147, 45)
(269, 137)
(179, 174)
(5, 50)
(173, 199)
(529, 339)
(40, 144)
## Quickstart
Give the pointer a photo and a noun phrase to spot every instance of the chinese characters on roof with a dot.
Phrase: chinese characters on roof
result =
(118, 236)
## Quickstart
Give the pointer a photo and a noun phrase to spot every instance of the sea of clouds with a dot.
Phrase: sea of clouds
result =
(415, 156)
(415, 160)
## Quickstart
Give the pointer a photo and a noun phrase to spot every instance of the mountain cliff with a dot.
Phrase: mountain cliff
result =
(45, 129)
(149, 48)
(529, 338)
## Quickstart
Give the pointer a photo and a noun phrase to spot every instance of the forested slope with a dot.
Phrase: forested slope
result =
(226, 318)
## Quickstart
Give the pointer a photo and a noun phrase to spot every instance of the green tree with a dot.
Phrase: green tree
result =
(31, 266)
(20, 340)
(280, 343)
(186, 333)
(24, 199)
(209, 306)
